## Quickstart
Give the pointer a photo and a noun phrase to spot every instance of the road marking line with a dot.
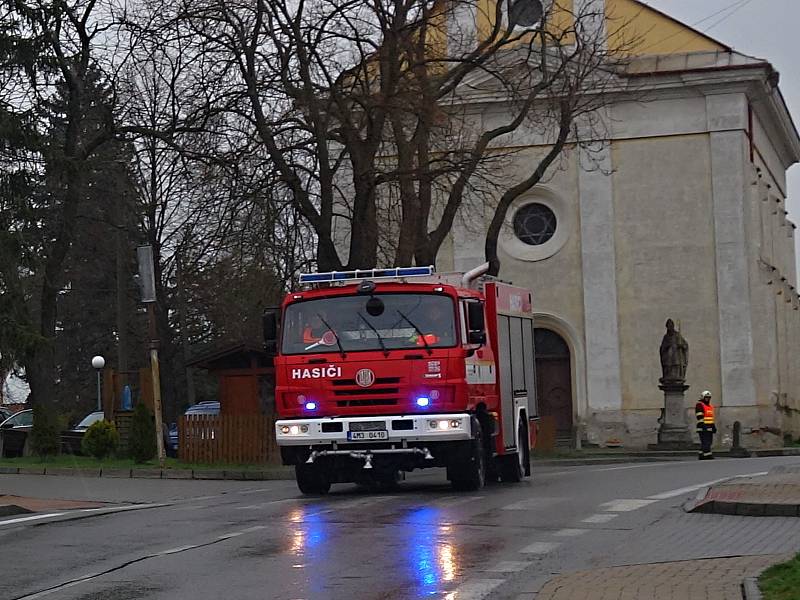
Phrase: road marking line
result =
(244, 492)
(114, 509)
(264, 504)
(625, 505)
(509, 566)
(603, 518)
(475, 589)
(175, 550)
(540, 548)
(694, 488)
(455, 501)
(532, 503)
(32, 518)
(359, 502)
(570, 532)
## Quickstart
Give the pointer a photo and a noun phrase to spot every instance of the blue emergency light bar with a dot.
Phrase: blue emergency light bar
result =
(334, 276)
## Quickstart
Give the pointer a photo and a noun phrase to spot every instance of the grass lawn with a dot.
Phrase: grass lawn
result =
(87, 462)
(781, 582)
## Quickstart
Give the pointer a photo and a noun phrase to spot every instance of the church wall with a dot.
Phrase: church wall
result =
(664, 236)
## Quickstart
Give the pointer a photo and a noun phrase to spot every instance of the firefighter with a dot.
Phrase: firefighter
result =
(314, 329)
(706, 426)
(434, 328)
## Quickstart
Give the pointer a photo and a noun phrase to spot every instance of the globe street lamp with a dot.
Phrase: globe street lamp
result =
(98, 362)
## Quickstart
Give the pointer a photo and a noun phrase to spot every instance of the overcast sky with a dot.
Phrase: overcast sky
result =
(763, 28)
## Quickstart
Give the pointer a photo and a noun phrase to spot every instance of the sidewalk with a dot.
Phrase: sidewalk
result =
(776, 494)
(710, 579)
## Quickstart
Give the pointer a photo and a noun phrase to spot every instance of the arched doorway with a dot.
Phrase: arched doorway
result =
(554, 382)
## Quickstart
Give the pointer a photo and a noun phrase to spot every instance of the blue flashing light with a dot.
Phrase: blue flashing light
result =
(423, 401)
(311, 406)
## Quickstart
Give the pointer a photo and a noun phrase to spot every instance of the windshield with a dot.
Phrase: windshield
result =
(89, 419)
(378, 322)
(22, 419)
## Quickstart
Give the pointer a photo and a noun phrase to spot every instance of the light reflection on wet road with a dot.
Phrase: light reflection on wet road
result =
(421, 540)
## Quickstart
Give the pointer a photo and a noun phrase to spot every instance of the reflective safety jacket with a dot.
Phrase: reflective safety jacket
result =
(705, 416)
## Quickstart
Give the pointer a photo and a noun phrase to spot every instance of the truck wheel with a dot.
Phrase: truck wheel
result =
(311, 480)
(514, 468)
(471, 475)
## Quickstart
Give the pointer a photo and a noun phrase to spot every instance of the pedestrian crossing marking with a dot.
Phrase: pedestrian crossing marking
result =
(570, 532)
(540, 548)
(509, 566)
(604, 518)
(625, 505)
(476, 589)
(533, 503)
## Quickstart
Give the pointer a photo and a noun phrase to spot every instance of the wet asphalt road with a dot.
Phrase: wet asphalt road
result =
(262, 540)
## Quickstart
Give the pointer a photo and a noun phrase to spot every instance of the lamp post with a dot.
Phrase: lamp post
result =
(98, 362)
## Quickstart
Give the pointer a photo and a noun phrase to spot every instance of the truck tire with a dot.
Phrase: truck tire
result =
(515, 466)
(311, 480)
(471, 474)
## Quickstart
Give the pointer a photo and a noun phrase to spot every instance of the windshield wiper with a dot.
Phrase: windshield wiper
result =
(378, 335)
(417, 329)
(335, 335)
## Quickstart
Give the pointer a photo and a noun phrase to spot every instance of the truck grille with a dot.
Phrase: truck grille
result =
(378, 381)
(384, 392)
(370, 402)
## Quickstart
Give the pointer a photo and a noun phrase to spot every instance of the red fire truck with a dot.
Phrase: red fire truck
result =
(384, 371)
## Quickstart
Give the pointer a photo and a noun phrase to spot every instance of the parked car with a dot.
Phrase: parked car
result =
(14, 433)
(71, 439)
(210, 407)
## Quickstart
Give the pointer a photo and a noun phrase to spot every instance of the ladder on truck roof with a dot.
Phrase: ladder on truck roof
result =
(399, 275)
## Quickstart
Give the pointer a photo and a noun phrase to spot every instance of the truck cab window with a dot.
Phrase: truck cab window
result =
(405, 321)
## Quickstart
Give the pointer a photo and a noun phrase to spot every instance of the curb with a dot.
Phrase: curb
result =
(275, 474)
(750, 589)
(10, 510)
(742, 509)
(574, 462)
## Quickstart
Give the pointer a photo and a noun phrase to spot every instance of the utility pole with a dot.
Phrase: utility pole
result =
(144, 255)
(184, 323)
(120, 261)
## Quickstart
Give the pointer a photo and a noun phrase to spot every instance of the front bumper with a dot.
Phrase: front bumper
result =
(398, 428)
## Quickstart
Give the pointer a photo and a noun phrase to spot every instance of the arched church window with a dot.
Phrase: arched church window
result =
(534, 224)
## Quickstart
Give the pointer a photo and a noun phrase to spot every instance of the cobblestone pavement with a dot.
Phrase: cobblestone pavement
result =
(711, 579)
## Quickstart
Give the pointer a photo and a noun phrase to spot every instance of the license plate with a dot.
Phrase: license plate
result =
(365, 436)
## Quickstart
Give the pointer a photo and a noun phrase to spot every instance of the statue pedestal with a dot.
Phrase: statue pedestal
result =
(674, 434)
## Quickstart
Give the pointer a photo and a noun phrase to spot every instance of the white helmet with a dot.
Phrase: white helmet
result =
(705, 394)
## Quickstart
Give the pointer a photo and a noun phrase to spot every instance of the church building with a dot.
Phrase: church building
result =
(683, 217)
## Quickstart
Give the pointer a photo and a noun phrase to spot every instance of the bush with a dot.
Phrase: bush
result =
(100, 440)
(142, 443)
(45, 434)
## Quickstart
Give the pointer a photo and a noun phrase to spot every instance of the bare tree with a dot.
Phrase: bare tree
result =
(356, 103)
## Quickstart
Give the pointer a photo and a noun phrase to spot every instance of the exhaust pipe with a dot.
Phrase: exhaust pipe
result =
(473, 274)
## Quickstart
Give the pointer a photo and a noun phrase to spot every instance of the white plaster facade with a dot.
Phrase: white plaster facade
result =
(681, 216)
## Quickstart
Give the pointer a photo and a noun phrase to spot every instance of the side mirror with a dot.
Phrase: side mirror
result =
(476, 325)
(269, 326)
(477, 337)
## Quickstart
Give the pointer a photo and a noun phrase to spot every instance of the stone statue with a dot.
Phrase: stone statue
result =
(674, 355)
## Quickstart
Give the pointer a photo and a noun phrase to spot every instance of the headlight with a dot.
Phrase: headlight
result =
(294, 430)
(284, 429)
(455, 423)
